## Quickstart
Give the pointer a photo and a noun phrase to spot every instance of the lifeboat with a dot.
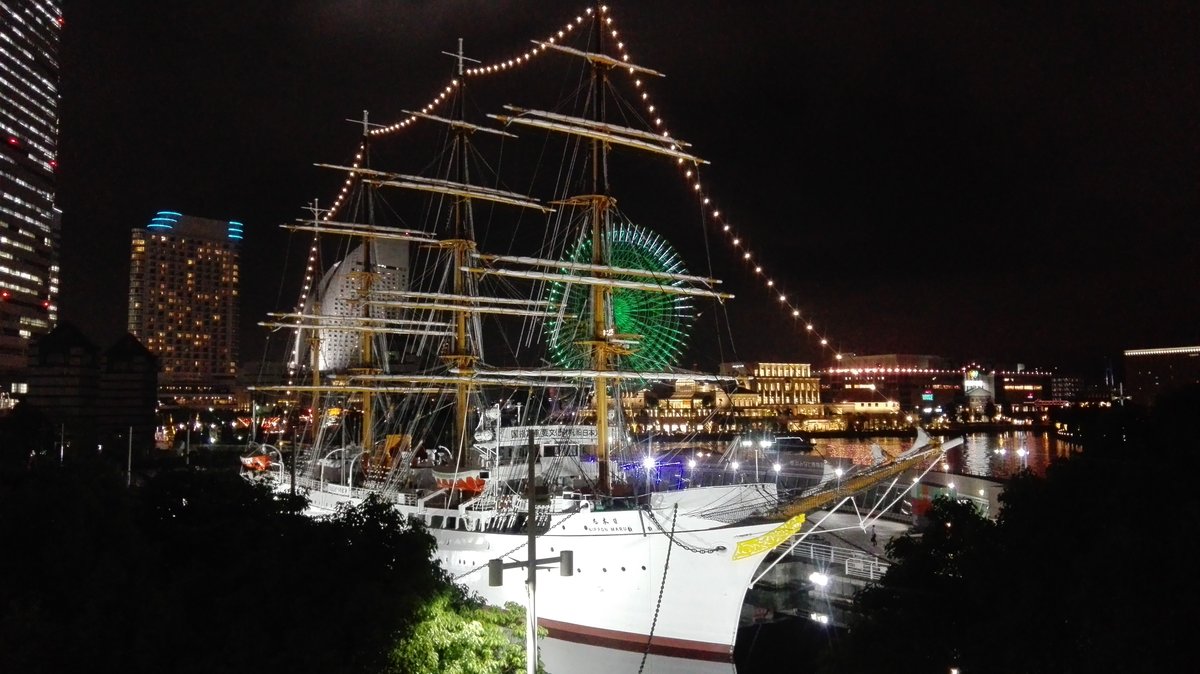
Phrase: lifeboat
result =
(257, 463)
(471, 481)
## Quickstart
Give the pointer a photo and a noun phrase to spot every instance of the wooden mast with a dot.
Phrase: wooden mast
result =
(600, 293)
(462, 245)
(366, 279)
(314, 338)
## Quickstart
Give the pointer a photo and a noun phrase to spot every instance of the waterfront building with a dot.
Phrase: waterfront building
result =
(929, 388)
(788, 389)
(766, 397)
(687, 407)
(128, 400)
(1151, 372)
(29, 246)
(92, 399)
(183, 304)
(63, 376)
(923, 385)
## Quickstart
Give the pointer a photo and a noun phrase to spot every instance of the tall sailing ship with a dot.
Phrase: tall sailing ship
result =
(414, 349)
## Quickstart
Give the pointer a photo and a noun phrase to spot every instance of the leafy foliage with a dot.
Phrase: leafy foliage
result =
(203, 572)
(460, 635)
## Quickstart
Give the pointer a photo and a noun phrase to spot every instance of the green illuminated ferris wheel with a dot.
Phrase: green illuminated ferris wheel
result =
(659, 322)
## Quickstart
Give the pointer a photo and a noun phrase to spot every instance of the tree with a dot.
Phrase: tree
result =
(461, 635)
(201, 571)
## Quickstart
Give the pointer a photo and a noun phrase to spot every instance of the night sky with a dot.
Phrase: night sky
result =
(969, 179)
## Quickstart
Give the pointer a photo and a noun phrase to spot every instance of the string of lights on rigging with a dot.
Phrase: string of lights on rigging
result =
(689, 171)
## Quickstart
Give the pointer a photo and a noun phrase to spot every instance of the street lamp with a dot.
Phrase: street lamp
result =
(356, 458)
(838, 472)
(648, 465)
(1021, 453)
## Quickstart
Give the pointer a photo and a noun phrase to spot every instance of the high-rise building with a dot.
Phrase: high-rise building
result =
(29, 221)
(340, 304)
(1150, 373)
(183, 303)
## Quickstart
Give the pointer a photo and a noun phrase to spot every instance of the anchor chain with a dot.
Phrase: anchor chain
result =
(661, 586)
(671, 535)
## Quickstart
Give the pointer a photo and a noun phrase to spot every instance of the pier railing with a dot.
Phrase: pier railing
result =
(856, 563)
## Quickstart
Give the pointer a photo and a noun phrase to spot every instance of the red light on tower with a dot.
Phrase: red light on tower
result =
(4, 295)
(13, 141)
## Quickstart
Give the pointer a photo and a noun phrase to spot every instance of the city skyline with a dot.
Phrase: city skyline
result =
(960, 180)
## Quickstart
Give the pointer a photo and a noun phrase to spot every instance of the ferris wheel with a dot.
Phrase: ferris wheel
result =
(656, 324)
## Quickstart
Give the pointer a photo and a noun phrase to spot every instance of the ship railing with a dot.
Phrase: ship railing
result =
(314, 484)
(855, 562)
(520, 505)
(477, 514)
(479, 504)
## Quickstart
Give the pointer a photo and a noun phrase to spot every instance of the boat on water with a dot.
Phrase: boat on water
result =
(415, 346)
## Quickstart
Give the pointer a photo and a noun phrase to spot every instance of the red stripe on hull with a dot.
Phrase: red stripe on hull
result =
(629, 641)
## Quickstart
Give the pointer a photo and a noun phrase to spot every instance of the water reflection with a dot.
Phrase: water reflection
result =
(992, 455)
(1001, 455)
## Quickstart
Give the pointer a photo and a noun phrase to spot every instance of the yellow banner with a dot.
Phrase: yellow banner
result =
(768, 541)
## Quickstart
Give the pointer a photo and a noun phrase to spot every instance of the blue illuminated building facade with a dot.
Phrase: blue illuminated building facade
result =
(29, 221)
(183, 304)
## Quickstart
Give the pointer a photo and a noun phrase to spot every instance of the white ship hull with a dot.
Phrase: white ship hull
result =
(617, 595)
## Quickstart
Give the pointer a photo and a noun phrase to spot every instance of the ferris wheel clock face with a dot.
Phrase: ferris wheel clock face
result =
(656, 324)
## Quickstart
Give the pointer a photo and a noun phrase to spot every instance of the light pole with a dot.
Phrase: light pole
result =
(839, 472)
(648, 466)
(762, 446)
(1021, 453)
(324, 460)
(496, 567)
(356, 458)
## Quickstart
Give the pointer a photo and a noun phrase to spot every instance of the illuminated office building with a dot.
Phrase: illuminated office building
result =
(29, 221)
(183, 304)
